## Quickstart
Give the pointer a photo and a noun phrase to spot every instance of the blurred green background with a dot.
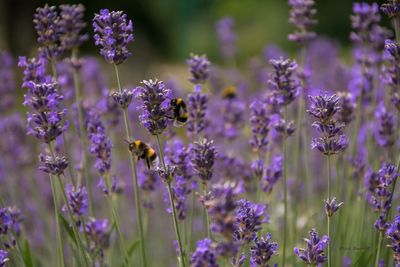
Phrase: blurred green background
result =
(168, 30)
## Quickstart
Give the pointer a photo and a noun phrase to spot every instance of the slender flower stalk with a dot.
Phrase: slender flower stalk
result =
(134, 177)
(181, 256)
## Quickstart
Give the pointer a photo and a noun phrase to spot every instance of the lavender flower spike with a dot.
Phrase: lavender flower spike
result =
(301, 17)
(71, 26)
(197, 106)
(155, 105)
(226, 37)
(199, 67)
(260, 124)
(331, 206)
(202, 159)
(314, 253)
(3, 258)
(285, 88)
(262, 251)
(393, 234)
(391, 8)
(113, 33)
(78, 201)
(204, 255)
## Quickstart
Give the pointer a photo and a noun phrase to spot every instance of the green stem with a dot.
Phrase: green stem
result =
(207, 215)
(284, 190)
(116, 220)
(329, 199)
(378, 250)
(65, 199)
(58, 225)
(82, 132)
(172, 202)
(135, 180)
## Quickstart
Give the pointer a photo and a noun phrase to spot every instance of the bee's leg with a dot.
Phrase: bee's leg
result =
(148, 163)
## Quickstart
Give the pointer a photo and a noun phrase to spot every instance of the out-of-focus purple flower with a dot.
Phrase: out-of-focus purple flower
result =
(391, 71)
(272, 174)
(231, 120)
(314, 253)
(78, 200)
(155, 105)
(123, 99)
(260, 123)
(54, 166)
(202, 156)
(235, 261)
(393, 234)
(379, 194)
(98, 233)
(262, 251)
(284, 87)
(346, 261)
(113, 33)
(286, 128)
(347, 104)
(204, 255)
(331, 140)
(365, 17)
(100, 144)
(177, 154)
(199, 67)
(226, 37)
(301, 17)
(7, 82)
(47, 26)
(71, 26)
(3, 258)
(34, 70)
(179, 192)
(385, 130)
(197, 107)
(249, 220)
(391, 8)
(16, 218)
(331, 206)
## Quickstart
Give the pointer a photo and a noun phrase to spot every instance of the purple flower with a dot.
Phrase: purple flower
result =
(3, 258)
(391, 8)
(331, 206)
(365, 17)
(113, 33)
(249, 220)
(331, 140)
(197, 107)
(98, 233)
(5, 221)
(204, 255)
(301, 17)
(226, 37)
(54, 166)
(347, 106)
(47, 26)
(100, 144)
(177, 154)
(179, 192)
(260, 124)
(202, 158)
(385, 130)
(285, 88)
(281, 126)
(262, 251)
(123, 99)
(78, 200)
(232, 117)
(7, 82)
(71, 26)
(16, 218)
(272, 174)
(199, 67)
(34, 70)
(155, 105)
(314, 253)
(393, 234)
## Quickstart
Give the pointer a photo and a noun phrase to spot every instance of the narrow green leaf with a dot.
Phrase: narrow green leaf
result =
(133, 247)
(27, 254)
(68, 229)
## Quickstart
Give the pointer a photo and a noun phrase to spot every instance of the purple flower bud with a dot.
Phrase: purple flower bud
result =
(54, 166)
(199, 68)
(155, 105)
(331, 206)
(314, 253)
(78, 200)
(123, 99)
(71, 25)
(113, 33)
(203, 155)
(262, 251)
(301, 17)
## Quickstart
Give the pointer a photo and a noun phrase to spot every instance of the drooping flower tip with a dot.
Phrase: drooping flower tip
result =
(113, 33)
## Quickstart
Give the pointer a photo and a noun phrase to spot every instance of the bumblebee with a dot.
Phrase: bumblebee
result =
(180, 113)
(143, 151)
(229, 92)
